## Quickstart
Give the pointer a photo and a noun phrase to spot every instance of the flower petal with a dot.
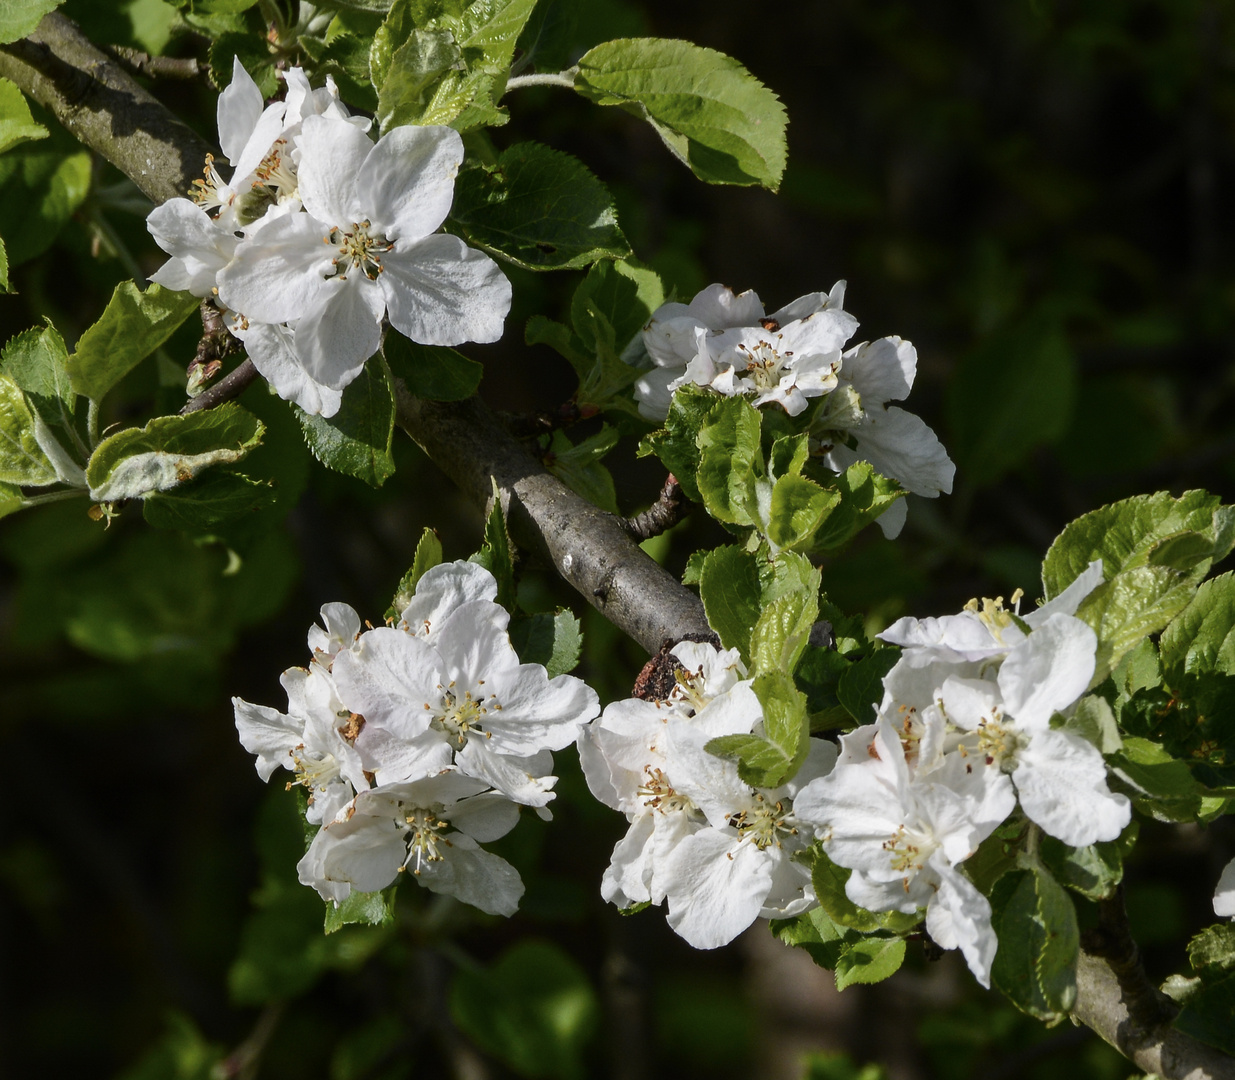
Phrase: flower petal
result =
(272, 349)
(442, 292)
(335, 339)
(716, 886)
(332, 154)
(1061, 782)
(279, 274)
(407, 182)
(239, 107)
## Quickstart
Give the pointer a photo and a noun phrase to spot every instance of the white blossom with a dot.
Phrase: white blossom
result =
(367, 247)
(312, 740)
(1224, 895)
(904, 835)
(432, 828)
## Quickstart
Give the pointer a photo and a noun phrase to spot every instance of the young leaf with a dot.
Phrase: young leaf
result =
(22, 460)
(580, 469)
(132, 326)
(729, 589)
(19, 17)
(412, 72)
(870, 960)
(829, 883)
(428, 555)
(860, 688)
(356, 440)
(798, 507)
(1201, 638)
(1092, 871)
(368, 909)
(1094, 721)
(168, 451)
(41, 187)
(623, 294)
(1129, 533)
(768, 760)
(729, 461)
(495, 555)
(675, 444)
(712, 114)
(817, 934)
(552, 640)
(538, 208)
(1039, 942)
(862, 496)
(206, 501)
(782, 631)
(1159, 784)
(430, 371)
(36, 361)
(1131, 606)
(16, 124)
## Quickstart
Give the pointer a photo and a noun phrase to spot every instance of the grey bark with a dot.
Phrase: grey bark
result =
(110, 113)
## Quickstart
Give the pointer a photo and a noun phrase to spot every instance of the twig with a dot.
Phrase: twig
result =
(241, 1063)
(1112, 940)
(157, 67)
(232, 385)
(661, 516)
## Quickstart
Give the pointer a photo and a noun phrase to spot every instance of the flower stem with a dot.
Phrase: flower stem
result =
(52, 497)
(92, 423)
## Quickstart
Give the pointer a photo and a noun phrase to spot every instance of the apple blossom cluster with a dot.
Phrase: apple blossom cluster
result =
(321, 234)
(964, 734)
(418, 742)
(725, 342)
(719, 851)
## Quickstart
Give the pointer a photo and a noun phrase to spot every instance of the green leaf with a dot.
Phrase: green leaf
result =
(863, 496)
(729, 465)
(4, 268)
(484, 33)
(1013, 393)
(41, 187)
(36, 360)
(202, 503)
(356, 440)
(1201, 639)
(579, 467)
(495, 554)
(10, 500)
(132, 326)
(16, 124)
(675, 443)
(1208, 1001)
(622, 293)
(1213, 949)
(19, 17)
(1039, 942)
(428, 555)
(769, 759)
(1160, 784)
(1092, 871)
(534, 1010)
(553, 640)
(829, 884)
(782, 631)
(1135, 532)
(1130, 607)
(431, 371)
(411, 74)
(729, 589)
(170, 450)
(870, 960)
(538, 208)
(797, 509)
(1094, 721)
(815, 933)
(22, 459)
(368, 909)
(860, 688)
(254, 54)
(713, 115)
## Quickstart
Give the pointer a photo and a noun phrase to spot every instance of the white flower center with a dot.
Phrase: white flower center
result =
(993, 615)
(277, 171)
(313, 768)
(765, 823)
(358, 250)
(212, 191)
(425, 831)
(764, 365)
(690, 689)
(458, 716)
(999, 744)
(908, 849)
(658, 794)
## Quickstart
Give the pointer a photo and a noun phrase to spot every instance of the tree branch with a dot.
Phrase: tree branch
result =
(105, 108)
(109, 112)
